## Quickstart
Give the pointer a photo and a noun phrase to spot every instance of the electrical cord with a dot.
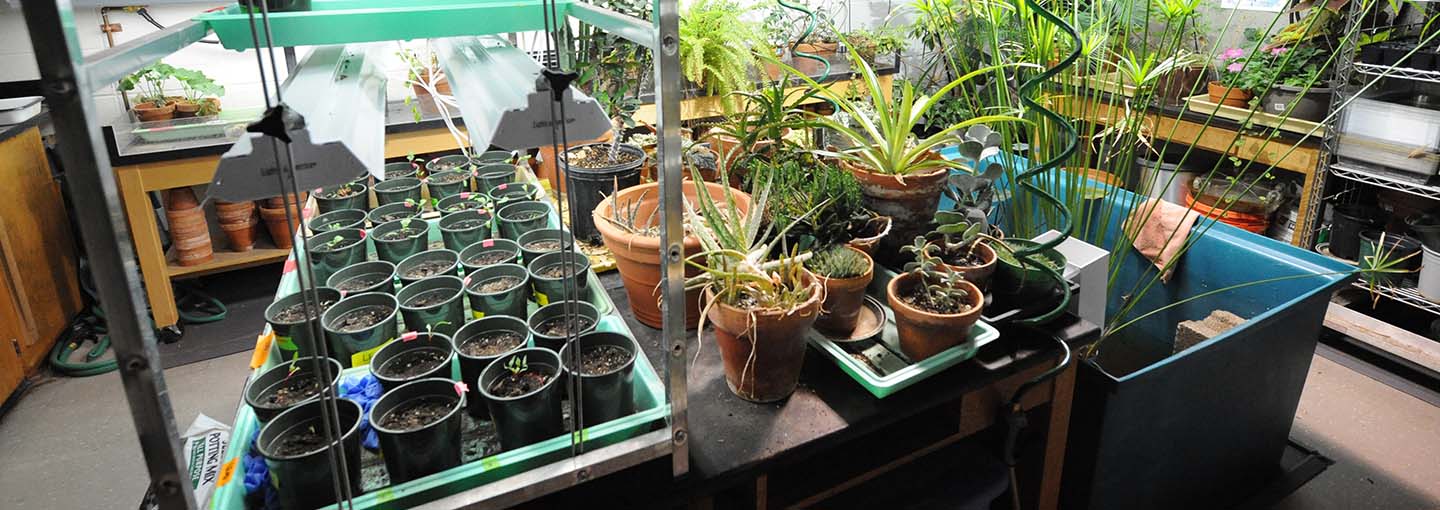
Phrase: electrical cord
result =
(1016, 420)
(144, 13)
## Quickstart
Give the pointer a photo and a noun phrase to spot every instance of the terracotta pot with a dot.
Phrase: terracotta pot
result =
(241, 235)
(980, 274)
(818, 47)
(234, 212)
(278, 227)
(279, 202)
(186, 108)
(547, 170)
(638, 257)
(148, 112)
(725, 146)
(867, 244)
(180, 199)
(843, 299)
(189, 232)
(924, 334)
(1219, 93)
(764, 350)
(442, 85)
(910, 202)
(1180, 83)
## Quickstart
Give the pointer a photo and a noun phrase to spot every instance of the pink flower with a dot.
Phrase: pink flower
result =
(1232, 54)
(1279, 51)
(1235, 67)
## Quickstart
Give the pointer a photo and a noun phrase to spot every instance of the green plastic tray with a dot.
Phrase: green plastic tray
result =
(886, 370)
(349, 21)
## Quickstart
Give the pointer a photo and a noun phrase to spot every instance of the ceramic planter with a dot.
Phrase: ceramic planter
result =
(443, 316)
(462, 201)
(610, 394)
(573, 284)
(422, 450)
(532, 417)
(397, 191)
(474, 359)
(843, 299)
(354, 344)
(534, 243)
(520, 217)
(910, 202)
(305, 480)
(427, 264)
(490, 175)
(979, 274)
(337, 220)
(296, 338)
(513, 192)
(370, 276)
(923, 333)
(513, 302)
(461, 229)
(637, 256)
(261, 393)
(589, 186)
(537, 321)
(394, 212)
(763, 350)
(334, 251)
(1219, 93)
(413, 240)
(446, 184)
(400, 170)
(489, 252)
(334, 198)
(411, 358)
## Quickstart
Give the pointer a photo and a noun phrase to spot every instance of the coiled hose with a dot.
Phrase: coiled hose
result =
(809, 29)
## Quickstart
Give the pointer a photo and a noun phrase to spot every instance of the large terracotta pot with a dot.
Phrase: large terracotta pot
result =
(764, 350)
(843, 299)
(638, 257)
(909, 201)
(189, 232)
(924, 334)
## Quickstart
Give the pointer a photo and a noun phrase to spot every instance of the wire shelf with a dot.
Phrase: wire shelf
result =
(1385, 180)
(1403, 73)
(1407, 294)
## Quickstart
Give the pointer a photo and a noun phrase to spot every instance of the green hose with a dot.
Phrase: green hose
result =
(90, 325)
(809, 28)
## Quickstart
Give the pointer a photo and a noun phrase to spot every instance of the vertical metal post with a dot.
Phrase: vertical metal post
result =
(290, 60)
(667, 102)
(107, 244)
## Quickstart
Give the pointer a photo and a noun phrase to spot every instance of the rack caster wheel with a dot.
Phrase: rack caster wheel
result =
(169, 334)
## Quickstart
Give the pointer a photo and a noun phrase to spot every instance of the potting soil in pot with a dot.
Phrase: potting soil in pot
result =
(343, 192)
(518, 384)
(560, 326)
(543, 245)
(361, 282)
(418, 413)
(397, 215)
(525, 215)
(427, 269)
(447, 178)
(598, 156)
(301, 440)
(602, 359)
(487, 258)
(293, 313)
(917, 298)
(465, 205)
(559, 270)
(400, 234)
(361, 318)
(496, 284)
(296, 388)
(413, 363)
(467, 224)
(491, 343)
(431, 298)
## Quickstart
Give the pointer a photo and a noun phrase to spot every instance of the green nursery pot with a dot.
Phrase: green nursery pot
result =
(553, 288)
(477, 344)
(513, 301)
(462, 229)
(520, 217)
(370, 276)
(397, 191)
(513, 192)
(427, 264)
(538, 321)
(491, 175)
(334, 250)
(331, 199)
(295, 337)
(446, 184)
(337, 220)
(1024, 279)
(433, 304)
(400, 170)
(463, 201)
(354, 341)
(394, 212)
(489, 252)
(525, 419)
(413, 356)
(396, 240)
(535, 243)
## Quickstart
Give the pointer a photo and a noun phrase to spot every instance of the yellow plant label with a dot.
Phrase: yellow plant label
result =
(489, 463)
(478, 314)
(262, 350)
(362, 358)
(541, 298)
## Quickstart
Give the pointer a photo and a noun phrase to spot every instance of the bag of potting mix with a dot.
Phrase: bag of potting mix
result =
(205, 442)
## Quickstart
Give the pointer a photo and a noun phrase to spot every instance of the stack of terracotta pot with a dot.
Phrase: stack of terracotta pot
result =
(272, 210)
(189, 233)
(239, 221)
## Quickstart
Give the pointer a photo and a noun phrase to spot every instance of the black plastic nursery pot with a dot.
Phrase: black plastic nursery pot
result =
(1312, 105)
(1025, 280)
(303, 478)
(447, 162)
(394, 212)
(400, 170)
(1396, 247)
(489, 252)
(1427, 228)
(397, 191)
(427, 264)
(607, 381)
(530, 417)
(418, 425)
(337, 220)
(369, 276)
(344, 196)
(334, 251)
(489, 295)
(554, 281)
(433, 304)
(535, 243)
(513, 192)
(520, 217)
(546, 319)
(490, 175)
(358, 325)
(292, 335)
(492, 157)
(461, 229)
(287, 385)
(586, 187)
(478, 343)
(1347, 224)
(396, 240)
(462, 201)
(412, 357)
(447, 183)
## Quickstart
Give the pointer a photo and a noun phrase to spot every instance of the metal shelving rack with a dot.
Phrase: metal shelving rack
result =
(70, 79)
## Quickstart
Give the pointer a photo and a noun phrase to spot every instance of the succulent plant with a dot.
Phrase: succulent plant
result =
(837, 262)
(939, 288)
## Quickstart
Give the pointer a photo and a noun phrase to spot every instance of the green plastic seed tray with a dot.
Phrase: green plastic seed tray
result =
(350, 21)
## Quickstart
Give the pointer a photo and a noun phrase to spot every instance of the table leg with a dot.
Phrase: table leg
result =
(1055, 436)
(148, 248)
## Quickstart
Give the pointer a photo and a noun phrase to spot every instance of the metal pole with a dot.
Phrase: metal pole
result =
(667, 101)
(107, 243)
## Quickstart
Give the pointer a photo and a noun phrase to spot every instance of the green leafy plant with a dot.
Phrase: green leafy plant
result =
(149, 83)
(973, 189)
(716, 46)
(837, 262)
(814, 201)
(738, 260)
(939, 288)
(867, 43)
(611, 67)
(956, 237)
(518, 365)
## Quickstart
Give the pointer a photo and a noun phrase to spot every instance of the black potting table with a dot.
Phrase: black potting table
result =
(832, 435)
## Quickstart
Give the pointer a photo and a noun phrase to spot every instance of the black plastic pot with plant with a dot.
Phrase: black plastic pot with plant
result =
(397, 191)
(287, 319)
(369, 276)
(592, 175)
(535, 243)
(394, 212)
(513, 192)
(344, 196)
(400, 170)
(418, 425)
(359, 324)
(499, 289)
(335, 250)
(558, 276)
(520, 217)
(1345, 228)
(396, 240)
(462, 229)
(1376, 255)
(297, 453)
(478, 343)
(426, 264)
(462, 201)
(411, 357)
(337, 220)
(523, 398)
(447, 162)
(433, 304)
(550, 324)
(489, 176)
(1016, 278)
(287, 385)
(446, 184)
(489, 252)
(607, 374)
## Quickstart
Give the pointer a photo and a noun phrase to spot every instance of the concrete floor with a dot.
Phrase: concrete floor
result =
(69, 443)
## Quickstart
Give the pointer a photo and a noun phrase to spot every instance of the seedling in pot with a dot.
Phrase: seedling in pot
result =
(939, 290)
(402, 233)
(335, 243)
(412, 203)
(344, 191)
(520, 380)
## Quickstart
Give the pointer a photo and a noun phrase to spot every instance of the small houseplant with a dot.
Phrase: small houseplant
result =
(868, 43)
(845, 272)
(1240, 75)
(200, 94)
(523, 397)
(148, 84)
(961, 247)
(716, 46)
(934, 306)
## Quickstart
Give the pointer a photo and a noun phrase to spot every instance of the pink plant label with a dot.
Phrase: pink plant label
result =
(465, 282)
(461, 388)
(464, 195)
(408, 336)
(343, 293)
(502, 187)
(487, 243)
(290, 266)
(362, 234)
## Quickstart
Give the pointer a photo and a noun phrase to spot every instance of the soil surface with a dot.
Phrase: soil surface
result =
(300, 440)
(345, 192)
(361, 318)
(966, 258)
(447, 178)
(397, 215)
(599, 157)
(559, 269)
(431, 298)
(294, 313)
(361, 282)
(418, 413)
(334, 247)
(466, 224)
(515, 385)
(464, 205)
(525, 215)
(602, 359)
(293, 390)
(496, 284)
(428, 269)
(558, 326)
(445, 165)
(918, 299)
(491, 343)
(400, 234)
(398, 173)
(543, 245)
(413, 363)
(488, 258)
